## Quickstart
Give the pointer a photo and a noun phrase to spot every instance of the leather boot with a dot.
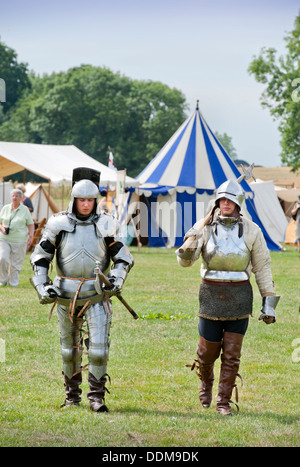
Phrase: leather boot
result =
(207, 353)
(72, 389)
(96, 394)
(232, 345)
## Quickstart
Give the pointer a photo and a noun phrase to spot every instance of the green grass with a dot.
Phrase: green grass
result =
(153, 398)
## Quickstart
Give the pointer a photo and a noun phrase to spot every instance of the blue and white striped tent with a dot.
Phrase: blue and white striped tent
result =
(181, 180)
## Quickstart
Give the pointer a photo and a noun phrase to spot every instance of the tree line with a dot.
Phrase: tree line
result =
(94, 108)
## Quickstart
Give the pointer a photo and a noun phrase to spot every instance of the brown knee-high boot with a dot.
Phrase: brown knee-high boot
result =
(232, 345)
(72, 389)
(207, 353)
(96, 394)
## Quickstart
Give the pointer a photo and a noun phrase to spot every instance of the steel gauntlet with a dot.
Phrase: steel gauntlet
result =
(47, 293)
(117, 277)
(268, 309)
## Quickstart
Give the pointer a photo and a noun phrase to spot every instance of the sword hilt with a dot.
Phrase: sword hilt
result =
(108, 284)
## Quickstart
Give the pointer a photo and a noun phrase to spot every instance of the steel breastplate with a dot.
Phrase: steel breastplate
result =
(76, 258)
(225, 256)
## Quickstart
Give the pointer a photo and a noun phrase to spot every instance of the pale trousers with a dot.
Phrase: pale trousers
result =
(11, 259)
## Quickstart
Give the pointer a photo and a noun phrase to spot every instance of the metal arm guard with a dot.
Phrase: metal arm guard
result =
(38, 254)
(268, 307)
(123, 262)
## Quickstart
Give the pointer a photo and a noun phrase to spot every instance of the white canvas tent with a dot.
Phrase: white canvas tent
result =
(287, 198)
(181, 180)
(5, 191)
(52, 162)
(269, 209)
(43, 204)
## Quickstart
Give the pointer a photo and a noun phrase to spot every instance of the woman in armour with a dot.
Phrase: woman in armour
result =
(231, 248)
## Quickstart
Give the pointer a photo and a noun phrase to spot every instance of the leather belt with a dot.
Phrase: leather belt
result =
(207, 281)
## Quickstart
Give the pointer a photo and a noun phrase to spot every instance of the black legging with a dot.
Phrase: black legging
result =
(212, 330)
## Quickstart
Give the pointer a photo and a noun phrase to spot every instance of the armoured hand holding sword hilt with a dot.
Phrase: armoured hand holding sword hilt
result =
(111, 288)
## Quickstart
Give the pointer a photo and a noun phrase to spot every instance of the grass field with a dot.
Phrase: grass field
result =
(153, 398)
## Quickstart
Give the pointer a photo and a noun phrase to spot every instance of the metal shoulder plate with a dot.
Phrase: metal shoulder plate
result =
(56, 224)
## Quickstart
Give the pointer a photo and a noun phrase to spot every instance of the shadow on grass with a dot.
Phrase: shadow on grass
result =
(287, 419)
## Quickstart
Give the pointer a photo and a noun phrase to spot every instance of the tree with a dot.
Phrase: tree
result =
(93, 108)
(282, 94)
(226, 142)
(14, 75)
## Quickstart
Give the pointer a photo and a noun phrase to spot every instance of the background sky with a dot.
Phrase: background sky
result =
(201, 48)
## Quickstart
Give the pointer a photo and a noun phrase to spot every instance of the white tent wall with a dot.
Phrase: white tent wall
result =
(269, 209)
(43, 204)
(5, 191)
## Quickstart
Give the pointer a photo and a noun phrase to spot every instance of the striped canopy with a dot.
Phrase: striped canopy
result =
(192, 158)
(193, 163)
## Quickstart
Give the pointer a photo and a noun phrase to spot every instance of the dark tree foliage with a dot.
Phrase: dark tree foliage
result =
(93, 108)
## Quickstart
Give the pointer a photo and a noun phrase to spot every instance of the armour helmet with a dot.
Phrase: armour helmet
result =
(85, 184)
(230, 190)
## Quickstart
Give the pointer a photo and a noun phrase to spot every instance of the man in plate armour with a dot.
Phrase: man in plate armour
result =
(81, 238)
(231, 247)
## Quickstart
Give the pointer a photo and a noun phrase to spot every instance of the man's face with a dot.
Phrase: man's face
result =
(227, 207)
(84, 206)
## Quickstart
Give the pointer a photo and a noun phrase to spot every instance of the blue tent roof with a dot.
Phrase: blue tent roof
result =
(193, 157)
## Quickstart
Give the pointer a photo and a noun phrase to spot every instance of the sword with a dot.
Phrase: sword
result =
(101, 277)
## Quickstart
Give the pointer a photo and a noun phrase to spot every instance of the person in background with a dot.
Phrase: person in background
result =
(296, 216)
(25, 200)
(16, 233)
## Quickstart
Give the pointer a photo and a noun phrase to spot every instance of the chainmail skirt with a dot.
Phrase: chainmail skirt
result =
(225, 302)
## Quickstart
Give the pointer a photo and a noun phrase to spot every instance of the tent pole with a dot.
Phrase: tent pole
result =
(39, 203)
(138, 225)
(62, 196)
(49, 182)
